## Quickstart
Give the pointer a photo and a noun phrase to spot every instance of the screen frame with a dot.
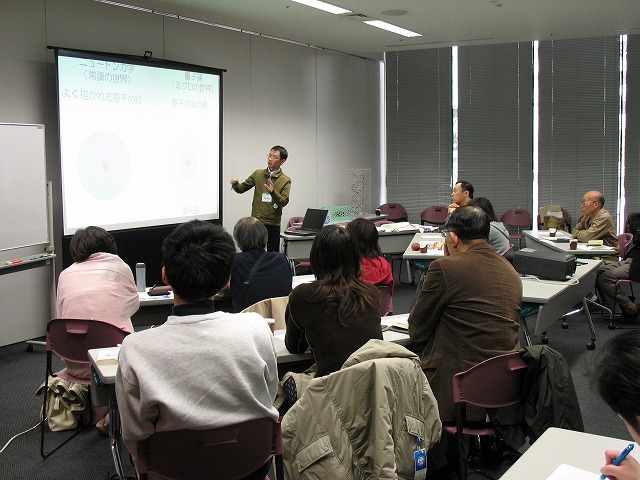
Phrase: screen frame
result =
(147, 60)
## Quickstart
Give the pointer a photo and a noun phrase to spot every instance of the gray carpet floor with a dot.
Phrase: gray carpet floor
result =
(88, 457)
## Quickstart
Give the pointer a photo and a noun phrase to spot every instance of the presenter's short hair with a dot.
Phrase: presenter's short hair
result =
(249, 232)
(87, 241)
(197, 258)
(617, 376)
(283, 152)
(469, 223)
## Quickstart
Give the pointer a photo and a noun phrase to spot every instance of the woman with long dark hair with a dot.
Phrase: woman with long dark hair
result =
(376, 269)
(338, 313)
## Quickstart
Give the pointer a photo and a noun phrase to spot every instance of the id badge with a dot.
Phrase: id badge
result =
(266, 197)
(420, 464)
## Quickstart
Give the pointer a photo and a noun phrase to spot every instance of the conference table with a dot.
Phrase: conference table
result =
(105, 363)
(390, 241)
(428, 238)
(540, 239)
(153, 310)
(558, 447)
(551, 299)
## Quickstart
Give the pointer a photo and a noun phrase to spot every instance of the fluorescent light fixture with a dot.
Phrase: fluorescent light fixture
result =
(327, 7)
(391, 28)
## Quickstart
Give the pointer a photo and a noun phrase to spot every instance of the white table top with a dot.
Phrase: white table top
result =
(431, 254)
(147, 300)
(557, 446)
(103, 362)
(542, 291)
(583, 250)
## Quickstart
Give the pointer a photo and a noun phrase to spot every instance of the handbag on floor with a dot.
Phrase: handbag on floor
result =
(66, 402)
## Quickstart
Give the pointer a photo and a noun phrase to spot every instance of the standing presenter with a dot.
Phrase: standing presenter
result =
(271, 194)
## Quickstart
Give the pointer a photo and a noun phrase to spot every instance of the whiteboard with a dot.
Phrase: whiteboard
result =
(23, 186)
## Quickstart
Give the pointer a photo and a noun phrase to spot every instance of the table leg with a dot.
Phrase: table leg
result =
(114, 430)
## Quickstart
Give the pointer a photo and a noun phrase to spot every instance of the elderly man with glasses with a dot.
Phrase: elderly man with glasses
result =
(596, 223)
(466, 311)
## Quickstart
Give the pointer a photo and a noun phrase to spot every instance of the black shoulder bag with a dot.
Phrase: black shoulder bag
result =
(245, 284)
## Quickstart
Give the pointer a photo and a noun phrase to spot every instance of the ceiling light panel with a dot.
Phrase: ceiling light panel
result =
(327, 7)
(391, 28)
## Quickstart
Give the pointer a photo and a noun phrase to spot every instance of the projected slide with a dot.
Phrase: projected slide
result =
(139, 142)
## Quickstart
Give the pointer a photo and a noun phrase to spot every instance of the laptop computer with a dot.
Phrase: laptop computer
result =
(312, 223)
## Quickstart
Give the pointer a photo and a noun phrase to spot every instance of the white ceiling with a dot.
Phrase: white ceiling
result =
(442, 23)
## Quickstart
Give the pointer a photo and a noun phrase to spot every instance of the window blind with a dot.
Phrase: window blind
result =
(495, 123)
(418, 115)
(579, 127)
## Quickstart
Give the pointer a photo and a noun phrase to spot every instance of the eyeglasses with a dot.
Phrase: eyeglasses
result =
(274, 157)
(445, 233)
(584, 202)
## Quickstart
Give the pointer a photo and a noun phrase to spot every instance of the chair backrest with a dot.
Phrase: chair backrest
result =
(517, 218)
(295, 221)
(632, 223)
(385, 299)
(231, 452)
(395, 212)
(70, 339)
(271, 308)
(624, 241)
(493, 383)
(566, 216)
(436, 215)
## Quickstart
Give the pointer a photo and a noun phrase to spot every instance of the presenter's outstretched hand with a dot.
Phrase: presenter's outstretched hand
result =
(234, 181)
(269, 185)
(629, 469)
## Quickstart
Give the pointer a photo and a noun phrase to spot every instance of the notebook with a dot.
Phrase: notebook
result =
(312, 223)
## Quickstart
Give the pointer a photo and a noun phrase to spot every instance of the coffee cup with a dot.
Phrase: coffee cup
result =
(552, 232)
(573, 244)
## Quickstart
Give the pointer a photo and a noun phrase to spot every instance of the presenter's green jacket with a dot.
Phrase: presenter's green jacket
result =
(269, 213)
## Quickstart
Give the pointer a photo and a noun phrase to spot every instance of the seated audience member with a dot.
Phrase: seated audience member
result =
(461, 195)
(271, 279)
(609, 274)
(498, 233)
(377, 270)
(596, 223)
(99, 285)
(201, 369)
(338, 313)
(467, 310)
(617, 376)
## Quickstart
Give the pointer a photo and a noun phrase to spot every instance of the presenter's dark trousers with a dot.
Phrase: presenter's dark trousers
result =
(273, 243)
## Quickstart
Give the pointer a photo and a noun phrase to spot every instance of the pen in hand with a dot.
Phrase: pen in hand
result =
(620, 458)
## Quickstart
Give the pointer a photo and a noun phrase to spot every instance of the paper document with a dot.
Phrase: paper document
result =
(567, 472)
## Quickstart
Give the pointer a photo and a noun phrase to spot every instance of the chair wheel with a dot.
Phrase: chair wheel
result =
(29, 348)
(612, 326)
(544, 340)
(591, 346)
